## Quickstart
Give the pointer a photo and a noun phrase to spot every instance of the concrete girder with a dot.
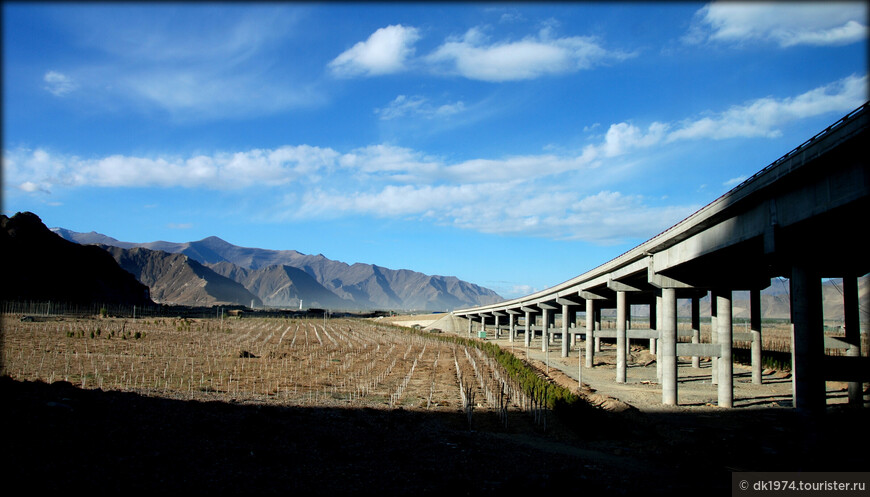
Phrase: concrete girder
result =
(566, 301)
(618, 286)
(771, 227)
(634, 269)
(588, 295)
(846, 255)
(661, 281)
(737, 267)
(840, 147)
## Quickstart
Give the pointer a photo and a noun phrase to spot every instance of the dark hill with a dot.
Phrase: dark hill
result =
(40, 265)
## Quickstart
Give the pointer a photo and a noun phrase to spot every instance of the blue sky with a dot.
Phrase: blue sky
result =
(512, 145)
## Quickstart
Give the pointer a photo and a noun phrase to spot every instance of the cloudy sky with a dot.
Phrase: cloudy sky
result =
(512, 145)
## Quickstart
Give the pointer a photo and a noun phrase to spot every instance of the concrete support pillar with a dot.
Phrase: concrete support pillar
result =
(590, 331)
(545, 329)
(483, 323)
(668, 354)
(528, 337)
(512, 323)
(550, 327)
(807, 342)
(470, 323)
(714, 338)
(658, 326)
(620, 336)
(853, 334)
(497, 332)
(566, 321)
(696, 329)
(572, 323)
(755, 329)
(655, 321)
(726, 367)
(597, 328)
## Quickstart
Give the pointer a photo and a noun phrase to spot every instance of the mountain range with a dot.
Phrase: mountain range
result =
(63, 265)
(203, 272)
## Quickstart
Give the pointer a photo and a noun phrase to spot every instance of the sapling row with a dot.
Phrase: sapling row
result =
(285, 361)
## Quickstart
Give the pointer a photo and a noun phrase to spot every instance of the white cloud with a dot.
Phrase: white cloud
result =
(786, 24)
(203, 93)
(418, 106)
(624, 137)
(391, 162)
(220, 171)
(511, 168)
(389, 50)
(735, 181)
(758, 118)
(557, 195)
(31, 187)
(503, 208)
(32, 170)
(764, 116)
(473, 57)
(58, 84)
(518, 290)
(165, 34)
(384, 52)
(450, 109)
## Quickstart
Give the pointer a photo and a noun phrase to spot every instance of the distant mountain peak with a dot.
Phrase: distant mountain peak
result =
(215, 240)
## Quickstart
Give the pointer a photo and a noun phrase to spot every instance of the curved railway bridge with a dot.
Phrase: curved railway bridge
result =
(803, 217)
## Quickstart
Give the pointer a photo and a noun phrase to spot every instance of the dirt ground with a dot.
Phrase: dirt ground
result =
(59, 436)
(642, 389)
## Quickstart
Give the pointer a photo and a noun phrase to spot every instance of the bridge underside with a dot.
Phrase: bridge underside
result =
(804, 218)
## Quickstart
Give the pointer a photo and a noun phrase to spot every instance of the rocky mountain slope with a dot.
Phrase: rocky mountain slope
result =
(283, 286)
(178, 279)
(39, 265)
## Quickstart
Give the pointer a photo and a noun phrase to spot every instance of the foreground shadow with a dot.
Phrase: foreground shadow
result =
(59, 437)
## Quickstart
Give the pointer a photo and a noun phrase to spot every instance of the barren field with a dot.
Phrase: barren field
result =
(327, 363)
(348, 406)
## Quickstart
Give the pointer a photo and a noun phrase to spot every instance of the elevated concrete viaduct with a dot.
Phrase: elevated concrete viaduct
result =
(803, 217)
